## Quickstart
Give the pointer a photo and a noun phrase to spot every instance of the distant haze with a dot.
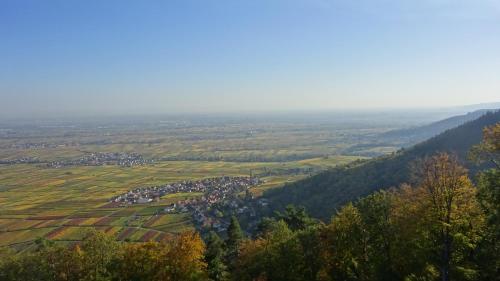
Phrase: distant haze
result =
(61, 58)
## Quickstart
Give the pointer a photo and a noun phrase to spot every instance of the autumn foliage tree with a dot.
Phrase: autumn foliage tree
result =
(489, 149)
(455, 218)
(184, 258)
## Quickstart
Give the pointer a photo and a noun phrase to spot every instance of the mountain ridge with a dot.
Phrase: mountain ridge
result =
(322, 194)
(414, 135)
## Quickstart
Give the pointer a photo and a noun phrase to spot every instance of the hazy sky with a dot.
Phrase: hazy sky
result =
(95, 57)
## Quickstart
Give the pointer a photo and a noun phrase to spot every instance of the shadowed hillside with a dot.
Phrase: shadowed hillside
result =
(324, 193)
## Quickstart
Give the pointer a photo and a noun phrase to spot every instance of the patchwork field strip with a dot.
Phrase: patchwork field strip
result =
(54, 233)
(105, 221)
(149, 236)
(125, 233)
(46, 217)
(151, 221)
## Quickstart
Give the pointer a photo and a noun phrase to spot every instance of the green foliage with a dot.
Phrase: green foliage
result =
(98, 253)
(454, 220)
(47, 262)
(214, 257)
(295, 217)
(345, 243)
(376, 215)
(280, 254)
(489, 198)
(489, 148)
(233, 242)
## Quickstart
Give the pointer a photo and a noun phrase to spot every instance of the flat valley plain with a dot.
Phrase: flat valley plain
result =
(46, 192)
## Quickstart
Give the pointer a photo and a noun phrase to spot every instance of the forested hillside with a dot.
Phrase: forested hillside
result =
(324, 193)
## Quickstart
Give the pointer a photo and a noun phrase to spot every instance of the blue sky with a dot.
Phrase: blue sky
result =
(116, 57)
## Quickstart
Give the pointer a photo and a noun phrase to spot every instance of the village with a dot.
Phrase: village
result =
(103, 158)
(220, 195)
(22, 160)
(214, 189)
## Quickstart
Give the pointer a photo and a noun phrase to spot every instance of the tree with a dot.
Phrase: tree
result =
(283, 260)
(139, 262)
(489, 198)
(279, 254)
(310, 242)
(62, 263)
(454, 215)
(376, 215)
(412, 245)
(233, 242)
(183, 258)
(295, 217)
(27, 267)
(251, 262)
(98, 251)
(214, 257)
(489, 148)
(47, 262)
(344, 244)
(265, 226)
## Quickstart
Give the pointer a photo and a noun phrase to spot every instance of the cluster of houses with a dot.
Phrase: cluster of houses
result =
(221, 193)
(103, 158)
(22, 160)
(213, 189)
(33, 145)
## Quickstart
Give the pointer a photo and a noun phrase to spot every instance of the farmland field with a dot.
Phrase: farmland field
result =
(47, 190)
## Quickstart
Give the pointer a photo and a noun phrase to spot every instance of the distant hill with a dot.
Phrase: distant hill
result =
(415, 135)
(322, 194)
(479, 106)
